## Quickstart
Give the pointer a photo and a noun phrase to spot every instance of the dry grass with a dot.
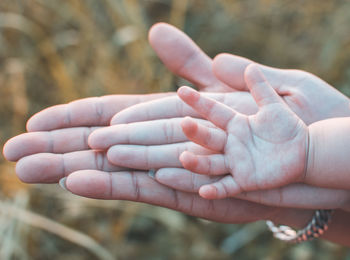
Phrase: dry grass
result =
(56, 51)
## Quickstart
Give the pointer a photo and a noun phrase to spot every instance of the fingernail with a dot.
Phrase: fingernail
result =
(152, 173)
(62, 183)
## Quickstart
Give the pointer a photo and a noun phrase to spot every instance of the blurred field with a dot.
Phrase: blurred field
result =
(56, 51)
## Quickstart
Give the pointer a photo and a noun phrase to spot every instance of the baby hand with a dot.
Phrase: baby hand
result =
(261, 151)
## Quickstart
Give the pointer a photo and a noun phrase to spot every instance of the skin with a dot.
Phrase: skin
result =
(308, 96)
(97, 181)
(151, 155)
(260, 151)
(268, 149)
(328, 163)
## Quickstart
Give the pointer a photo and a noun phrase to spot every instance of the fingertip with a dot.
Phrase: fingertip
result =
(21, 171)
(221, 64)
(222, 58)
(34, 123)
(189, 126)
(99, 139)
(30, 125)
(121, 155)
(93, 140)
(183, 90)
(116, 119)
(182, 157)
(188, 160)
(9, 151)
(186, 120)
(30, 169)
(208, 192)
(188, 94)
(165, 176)
(261, 90)
(122, 117)
(22, 145)
(157, 30)
(48, 119)
(40, 168)
(229, 69)
(73, 181)
(111, 154)
(89, 183)
(253, 75)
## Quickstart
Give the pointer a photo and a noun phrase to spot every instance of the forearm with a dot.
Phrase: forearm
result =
(328, 163)
(338, 231)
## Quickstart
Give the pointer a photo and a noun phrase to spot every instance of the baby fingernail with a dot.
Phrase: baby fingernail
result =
(62, 183)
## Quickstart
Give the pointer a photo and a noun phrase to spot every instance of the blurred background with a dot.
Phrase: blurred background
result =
(56, 51)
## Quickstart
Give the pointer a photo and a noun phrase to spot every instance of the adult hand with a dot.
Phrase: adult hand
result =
(49, 167)
(83, 182)
(139, 187)
(308, 96)
(157, 144)
(64, 128)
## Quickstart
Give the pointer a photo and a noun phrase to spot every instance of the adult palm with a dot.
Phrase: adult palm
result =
(56, 145)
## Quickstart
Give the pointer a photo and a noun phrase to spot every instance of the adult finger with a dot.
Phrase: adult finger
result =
(230, 69)
(95, 111)
(56, 141)
(50, 168)
(151, 157)
(170, 107)
(138, 186)
(183, 57)
(155, 132)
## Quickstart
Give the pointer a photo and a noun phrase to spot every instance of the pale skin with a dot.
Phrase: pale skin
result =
(139, 137)
(42, 154)
(261, 151)
(268, 149)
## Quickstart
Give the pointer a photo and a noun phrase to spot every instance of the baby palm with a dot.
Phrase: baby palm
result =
(261, 151)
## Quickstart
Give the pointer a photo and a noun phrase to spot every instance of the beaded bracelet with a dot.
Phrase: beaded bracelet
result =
(316, 227)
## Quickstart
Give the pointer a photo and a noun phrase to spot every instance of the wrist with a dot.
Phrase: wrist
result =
(329, 147)
(310, 155)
